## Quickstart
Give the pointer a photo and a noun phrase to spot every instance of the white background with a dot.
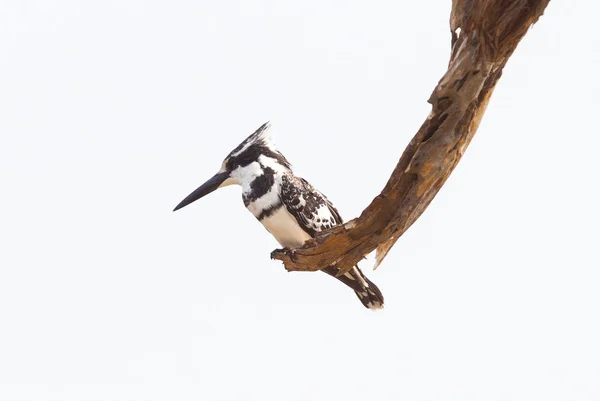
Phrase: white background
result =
(112, 111)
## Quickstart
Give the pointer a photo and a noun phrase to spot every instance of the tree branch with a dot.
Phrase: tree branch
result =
(484, 35)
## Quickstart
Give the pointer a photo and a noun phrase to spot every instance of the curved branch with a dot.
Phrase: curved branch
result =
(490, 30)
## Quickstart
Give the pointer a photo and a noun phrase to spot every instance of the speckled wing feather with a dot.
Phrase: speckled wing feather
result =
(312, 209)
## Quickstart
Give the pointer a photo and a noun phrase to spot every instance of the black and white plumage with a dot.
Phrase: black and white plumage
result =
(291, 209)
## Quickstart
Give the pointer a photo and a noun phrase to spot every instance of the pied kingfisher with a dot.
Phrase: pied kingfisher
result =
(287, 206)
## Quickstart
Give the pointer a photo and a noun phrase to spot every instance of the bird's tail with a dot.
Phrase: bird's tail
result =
(365, 290)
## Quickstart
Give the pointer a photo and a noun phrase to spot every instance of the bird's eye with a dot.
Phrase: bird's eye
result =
(242, 160)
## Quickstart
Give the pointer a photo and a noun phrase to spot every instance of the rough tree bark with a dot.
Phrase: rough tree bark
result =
(484, 35)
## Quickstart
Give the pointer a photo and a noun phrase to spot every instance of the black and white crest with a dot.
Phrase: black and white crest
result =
(257, 144)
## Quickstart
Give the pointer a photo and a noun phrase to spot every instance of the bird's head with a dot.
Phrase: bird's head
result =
(252, 158)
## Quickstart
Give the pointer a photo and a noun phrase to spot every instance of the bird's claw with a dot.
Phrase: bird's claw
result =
(277, 253)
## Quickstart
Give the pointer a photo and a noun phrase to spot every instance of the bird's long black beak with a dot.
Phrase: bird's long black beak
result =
(206, 188)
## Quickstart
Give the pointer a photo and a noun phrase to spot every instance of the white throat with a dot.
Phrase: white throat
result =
(245, 175)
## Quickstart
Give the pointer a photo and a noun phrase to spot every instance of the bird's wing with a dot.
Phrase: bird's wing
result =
(313, 211)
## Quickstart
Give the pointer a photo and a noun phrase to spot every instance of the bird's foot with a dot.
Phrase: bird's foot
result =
(282, 253)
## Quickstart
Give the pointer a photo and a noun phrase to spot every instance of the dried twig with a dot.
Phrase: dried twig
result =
(484, 35)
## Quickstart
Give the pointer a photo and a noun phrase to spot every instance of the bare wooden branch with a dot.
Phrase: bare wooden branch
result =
(484, 35)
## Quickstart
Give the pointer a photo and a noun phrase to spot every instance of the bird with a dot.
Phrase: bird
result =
(289, 207)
